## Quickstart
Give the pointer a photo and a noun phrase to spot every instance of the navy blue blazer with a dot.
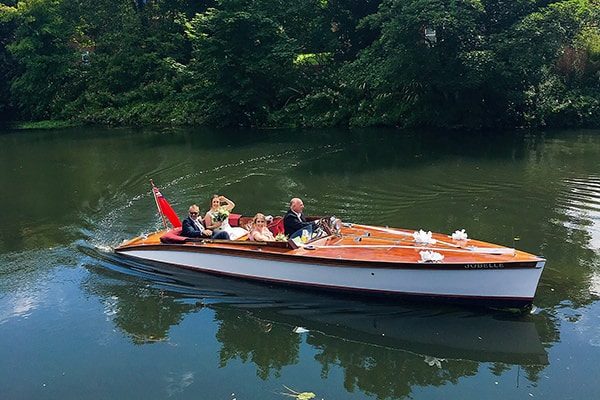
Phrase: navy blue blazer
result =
(190, 229)
(291, 222)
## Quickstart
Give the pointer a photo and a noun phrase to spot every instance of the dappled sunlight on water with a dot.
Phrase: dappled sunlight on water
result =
(18, 305)
(581, 211)
(32, 282)
(582, 208)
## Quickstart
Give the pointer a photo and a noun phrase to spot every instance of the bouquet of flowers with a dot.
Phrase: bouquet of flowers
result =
(220, 215)
(281, 237)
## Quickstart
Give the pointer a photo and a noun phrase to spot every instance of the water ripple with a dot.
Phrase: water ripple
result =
(581, 202)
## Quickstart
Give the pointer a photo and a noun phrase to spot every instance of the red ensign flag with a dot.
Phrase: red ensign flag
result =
(165, 208)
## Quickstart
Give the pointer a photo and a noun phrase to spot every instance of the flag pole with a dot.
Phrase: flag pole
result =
(158, 205)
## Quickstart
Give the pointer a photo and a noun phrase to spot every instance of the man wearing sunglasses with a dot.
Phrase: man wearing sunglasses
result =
(192, 226)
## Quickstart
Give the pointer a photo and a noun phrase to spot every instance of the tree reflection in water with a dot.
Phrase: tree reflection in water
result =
(385, 350)
(144, 313)
(250, 339)
(146, 318)
(376, 364)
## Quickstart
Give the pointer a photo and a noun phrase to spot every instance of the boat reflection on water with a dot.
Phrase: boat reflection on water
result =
(455, 334)
(425, 330)
(384, 352)
(383, 349)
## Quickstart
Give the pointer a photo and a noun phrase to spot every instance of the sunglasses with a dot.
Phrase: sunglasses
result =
(193, 213)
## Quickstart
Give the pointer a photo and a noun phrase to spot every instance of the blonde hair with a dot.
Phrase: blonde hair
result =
(257, 216)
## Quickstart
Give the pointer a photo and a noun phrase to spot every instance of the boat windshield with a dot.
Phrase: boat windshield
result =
(318, 229)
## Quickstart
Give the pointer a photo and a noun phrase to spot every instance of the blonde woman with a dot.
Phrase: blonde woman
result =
(260, 232)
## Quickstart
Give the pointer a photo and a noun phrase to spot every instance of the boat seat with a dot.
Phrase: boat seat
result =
(173, 236)
(276, 226)
(234, 219)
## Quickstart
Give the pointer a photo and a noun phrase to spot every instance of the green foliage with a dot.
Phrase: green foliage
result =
(8, 66)
(558, 90)
(43, 125)
(405, 63)
(46, 65)
(241, 64)
(477, 70)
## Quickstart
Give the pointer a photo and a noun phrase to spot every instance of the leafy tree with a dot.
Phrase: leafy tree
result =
(452, 64)
(415, 72)
(567, 94)
(440, 63)
(242, 61)
(8, 66)
(134, 73)
(47, 78)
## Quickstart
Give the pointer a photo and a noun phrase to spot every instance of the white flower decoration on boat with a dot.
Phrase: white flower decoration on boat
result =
(423, 237)
(460, 235)
(431, 256)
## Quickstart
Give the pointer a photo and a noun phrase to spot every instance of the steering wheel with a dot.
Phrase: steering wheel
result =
(323, 224)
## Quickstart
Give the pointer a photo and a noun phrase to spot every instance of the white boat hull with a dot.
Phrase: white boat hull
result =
(494, 283)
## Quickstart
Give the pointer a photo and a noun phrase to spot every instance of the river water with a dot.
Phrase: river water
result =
(76, 322)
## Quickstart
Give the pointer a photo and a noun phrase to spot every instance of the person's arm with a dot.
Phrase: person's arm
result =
(291, 223)
(252, 236)
(261, 237)
(229, 204)
(188, 230)
(268, 235)
(185, 228)
(204, 231)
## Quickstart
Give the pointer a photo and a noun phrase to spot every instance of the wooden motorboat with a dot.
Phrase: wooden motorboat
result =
(364, 259)
(359, 258)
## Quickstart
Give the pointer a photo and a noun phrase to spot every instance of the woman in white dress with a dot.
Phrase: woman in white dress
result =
(211, 220)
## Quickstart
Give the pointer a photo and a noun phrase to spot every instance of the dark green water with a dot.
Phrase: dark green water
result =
(77, 323)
